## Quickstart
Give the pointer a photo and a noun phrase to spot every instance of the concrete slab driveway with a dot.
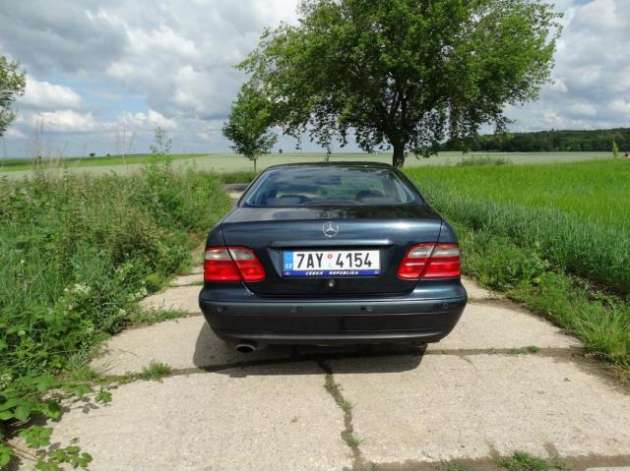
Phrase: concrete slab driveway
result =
(505, 380)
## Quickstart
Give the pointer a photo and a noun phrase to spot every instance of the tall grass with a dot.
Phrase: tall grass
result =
(576, 215)
(77, 252)
(556, 237)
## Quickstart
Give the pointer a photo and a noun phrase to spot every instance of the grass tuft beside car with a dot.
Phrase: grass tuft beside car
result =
(343, 253)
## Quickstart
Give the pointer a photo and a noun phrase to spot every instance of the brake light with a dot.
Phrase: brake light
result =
(431, 261)
(232, 264)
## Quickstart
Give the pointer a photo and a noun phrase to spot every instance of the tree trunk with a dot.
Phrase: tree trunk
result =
(398, 159)
(255, 160)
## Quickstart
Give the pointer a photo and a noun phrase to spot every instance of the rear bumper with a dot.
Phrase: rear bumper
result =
(237, 314)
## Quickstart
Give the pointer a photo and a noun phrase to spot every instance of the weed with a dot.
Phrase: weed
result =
(155, 371)
(452, 465)
(520, 460)
(352, 440)
(148, 317)
(70, 455)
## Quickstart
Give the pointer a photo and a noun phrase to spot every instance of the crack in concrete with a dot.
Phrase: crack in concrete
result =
(348, 435)
(292, 359)
(559, 353)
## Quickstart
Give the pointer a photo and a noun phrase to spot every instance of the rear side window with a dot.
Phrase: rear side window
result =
(330, 186)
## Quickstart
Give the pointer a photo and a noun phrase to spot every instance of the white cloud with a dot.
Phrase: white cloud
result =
(592, 74)
(621, 106)
(63, 121)
(584, 109)
(14, 133)
(146, 121)
(44, 95)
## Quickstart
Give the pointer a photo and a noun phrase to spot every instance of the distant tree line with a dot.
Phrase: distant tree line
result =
(546, 141)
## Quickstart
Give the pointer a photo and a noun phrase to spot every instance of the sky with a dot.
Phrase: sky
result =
(103, 74)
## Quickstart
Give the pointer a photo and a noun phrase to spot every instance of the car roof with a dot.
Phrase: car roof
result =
(338, 164)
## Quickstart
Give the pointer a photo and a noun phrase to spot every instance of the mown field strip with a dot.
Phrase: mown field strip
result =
(223, 163)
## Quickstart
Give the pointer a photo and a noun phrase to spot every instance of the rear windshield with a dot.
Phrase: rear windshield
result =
(330, 186)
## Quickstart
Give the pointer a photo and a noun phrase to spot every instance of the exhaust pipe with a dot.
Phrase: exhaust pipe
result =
(246, 347)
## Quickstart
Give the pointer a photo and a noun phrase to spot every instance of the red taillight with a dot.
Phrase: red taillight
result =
(430, 261)
(232, 264)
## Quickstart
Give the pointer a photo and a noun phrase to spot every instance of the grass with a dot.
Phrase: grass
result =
(520, 460)
(76, 254)
(452, 465)
(353, 440)
(555, 237)
(577, 215)
(155, 371)
(144, 317)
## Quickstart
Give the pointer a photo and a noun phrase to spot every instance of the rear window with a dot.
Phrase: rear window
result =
(330, 186)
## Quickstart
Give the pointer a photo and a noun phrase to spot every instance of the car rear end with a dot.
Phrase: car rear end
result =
(297, 272)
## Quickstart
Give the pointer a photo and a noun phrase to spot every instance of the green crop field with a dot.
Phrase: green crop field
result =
(597, 192)
(578, 214)
(554, 236)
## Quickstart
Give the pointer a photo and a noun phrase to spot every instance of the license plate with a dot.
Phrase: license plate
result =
(331, 263)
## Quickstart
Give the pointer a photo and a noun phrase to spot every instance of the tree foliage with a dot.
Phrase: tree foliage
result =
(248, 124)
(546, 141)
(12, 83)
(403, 73)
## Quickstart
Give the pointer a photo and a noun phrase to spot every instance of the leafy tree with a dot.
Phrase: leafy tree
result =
(615, 150)
(12, 83)
(403, 74)
(248, 125)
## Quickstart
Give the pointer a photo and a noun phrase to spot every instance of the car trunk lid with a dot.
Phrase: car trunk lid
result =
(272, 232)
